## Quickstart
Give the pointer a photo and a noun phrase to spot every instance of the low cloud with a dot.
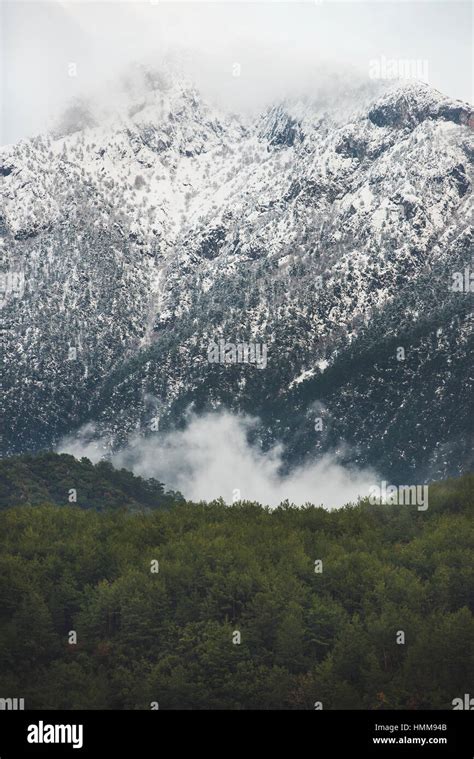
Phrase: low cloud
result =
(212, 458)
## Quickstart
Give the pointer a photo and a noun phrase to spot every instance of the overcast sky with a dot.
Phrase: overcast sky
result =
(276, 43)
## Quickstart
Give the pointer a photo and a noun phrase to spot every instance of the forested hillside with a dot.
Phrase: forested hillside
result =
(61, 479)
(206, 606)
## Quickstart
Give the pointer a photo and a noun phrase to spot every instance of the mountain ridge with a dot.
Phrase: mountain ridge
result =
(329, 237)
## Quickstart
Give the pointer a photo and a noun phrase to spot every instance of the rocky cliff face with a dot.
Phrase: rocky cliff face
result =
(332, 233)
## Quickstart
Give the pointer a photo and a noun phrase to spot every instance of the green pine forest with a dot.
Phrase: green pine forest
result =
(210, 606)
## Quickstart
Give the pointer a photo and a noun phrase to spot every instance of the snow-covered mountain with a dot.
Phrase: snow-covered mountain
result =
(329, 229)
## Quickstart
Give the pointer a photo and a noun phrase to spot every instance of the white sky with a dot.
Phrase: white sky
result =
(278, 44)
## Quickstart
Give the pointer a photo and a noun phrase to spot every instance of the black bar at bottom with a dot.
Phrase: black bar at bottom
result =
(407, 734)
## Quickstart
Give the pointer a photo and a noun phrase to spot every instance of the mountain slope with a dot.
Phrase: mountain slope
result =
(329, 231)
